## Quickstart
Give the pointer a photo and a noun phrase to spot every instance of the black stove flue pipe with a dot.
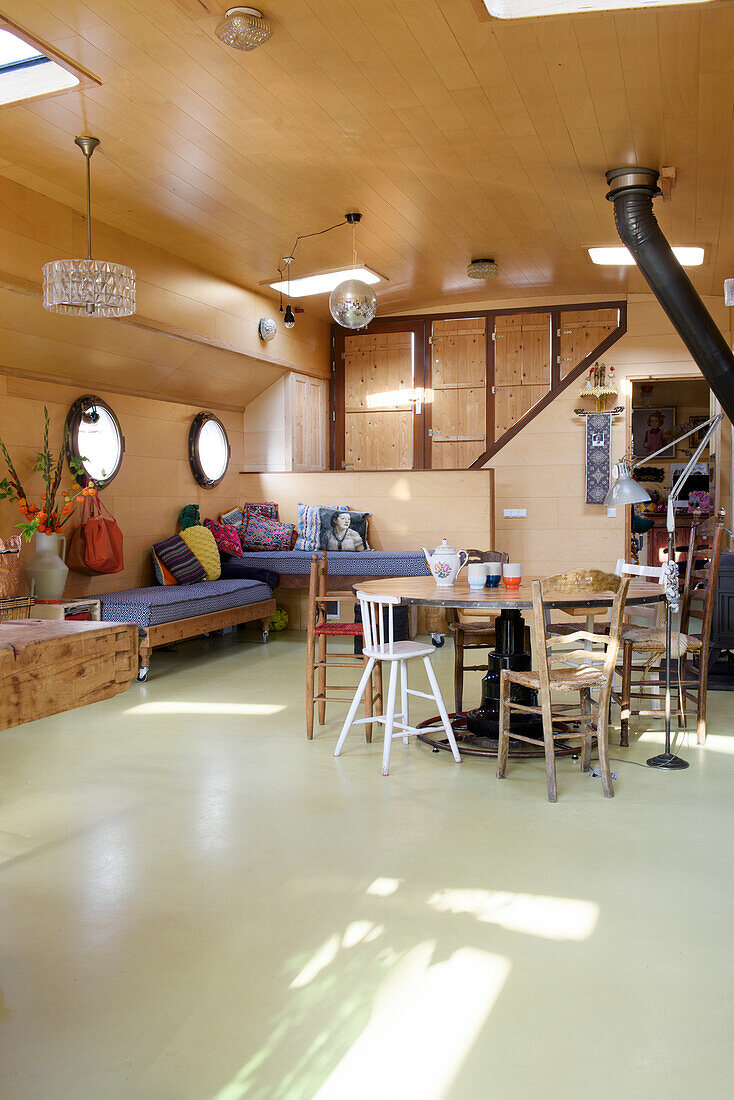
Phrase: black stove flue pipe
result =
(632, 192)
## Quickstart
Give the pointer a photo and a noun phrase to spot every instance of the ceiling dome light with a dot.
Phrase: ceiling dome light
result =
(243, 29)
(88, 288)
(482, 269)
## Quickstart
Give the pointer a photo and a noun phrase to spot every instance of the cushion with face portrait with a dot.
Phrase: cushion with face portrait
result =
(343, 530)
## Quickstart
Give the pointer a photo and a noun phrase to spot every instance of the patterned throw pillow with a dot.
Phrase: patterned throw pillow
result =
(176, 556)
(343, 530)
(162, 575)
(309, 526)
(200, 542)
(267, 534)
(267, 508)
(225, 536)
(233, 518)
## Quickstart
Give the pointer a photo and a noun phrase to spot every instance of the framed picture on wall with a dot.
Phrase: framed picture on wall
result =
(651, 430)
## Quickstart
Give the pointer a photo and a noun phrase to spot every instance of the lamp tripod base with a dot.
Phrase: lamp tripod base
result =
(667, 760)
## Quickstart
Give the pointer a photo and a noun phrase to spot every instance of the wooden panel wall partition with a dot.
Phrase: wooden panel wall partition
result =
(154, 482)
(410, 508)
(477, 379)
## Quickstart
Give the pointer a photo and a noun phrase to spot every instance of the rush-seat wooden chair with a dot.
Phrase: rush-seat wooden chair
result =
(699, 597)
(474, 629)
(592, 717)
(379, 646)
(318, 630)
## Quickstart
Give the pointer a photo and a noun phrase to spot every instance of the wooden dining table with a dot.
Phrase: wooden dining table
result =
(476, 729)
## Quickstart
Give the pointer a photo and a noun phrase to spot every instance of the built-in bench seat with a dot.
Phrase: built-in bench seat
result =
(166, 614)
(344, 569)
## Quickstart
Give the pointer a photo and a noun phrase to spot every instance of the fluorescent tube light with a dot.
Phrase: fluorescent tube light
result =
(524, 9)
(622, 257)
(26, 72)
(324, 282)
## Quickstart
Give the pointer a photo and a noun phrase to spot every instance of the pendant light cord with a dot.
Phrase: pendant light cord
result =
(88, 158)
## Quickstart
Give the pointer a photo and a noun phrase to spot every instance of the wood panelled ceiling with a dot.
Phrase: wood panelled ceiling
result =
(454, 134)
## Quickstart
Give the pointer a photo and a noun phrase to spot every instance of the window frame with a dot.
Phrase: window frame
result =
(197, 470)
(83, 76)
(73, 420)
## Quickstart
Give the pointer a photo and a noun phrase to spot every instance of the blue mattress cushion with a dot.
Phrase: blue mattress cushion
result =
(156, 605)
(368, 563)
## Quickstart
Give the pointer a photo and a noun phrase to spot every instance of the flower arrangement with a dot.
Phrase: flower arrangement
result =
(57, 505)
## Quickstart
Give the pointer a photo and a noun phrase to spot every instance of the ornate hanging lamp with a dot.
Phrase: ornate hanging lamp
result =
(88, 288)
(353, 304)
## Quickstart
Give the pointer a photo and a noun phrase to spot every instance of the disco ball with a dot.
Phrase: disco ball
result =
(353, 304)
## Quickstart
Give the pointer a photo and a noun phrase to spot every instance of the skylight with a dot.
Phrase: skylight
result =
(524, 9)
(325, 281)
(26, 72)
(621, 257)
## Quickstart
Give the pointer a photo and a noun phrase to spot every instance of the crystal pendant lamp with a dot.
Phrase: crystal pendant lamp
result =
(353, 304)
(88, 288)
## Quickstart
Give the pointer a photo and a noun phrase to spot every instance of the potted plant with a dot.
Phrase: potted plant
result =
(46, 572)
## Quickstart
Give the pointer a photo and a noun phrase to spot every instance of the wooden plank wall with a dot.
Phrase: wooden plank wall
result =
(410, 509)
(154, 482)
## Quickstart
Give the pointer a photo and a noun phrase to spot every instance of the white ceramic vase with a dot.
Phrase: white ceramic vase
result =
(46, 571)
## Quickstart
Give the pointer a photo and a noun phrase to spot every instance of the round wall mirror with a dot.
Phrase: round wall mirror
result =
(209, 449)
(95, 439)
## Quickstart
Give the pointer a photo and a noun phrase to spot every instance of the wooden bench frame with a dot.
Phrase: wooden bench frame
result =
(178, 630)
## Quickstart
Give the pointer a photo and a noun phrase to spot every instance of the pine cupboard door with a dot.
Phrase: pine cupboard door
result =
(308, 403)
(522, 366)
(380, 401)
(457, 397)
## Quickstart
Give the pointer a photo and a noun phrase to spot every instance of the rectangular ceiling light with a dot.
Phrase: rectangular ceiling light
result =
(324, 282)
(26, 72)
(622, 257)
(525, 9)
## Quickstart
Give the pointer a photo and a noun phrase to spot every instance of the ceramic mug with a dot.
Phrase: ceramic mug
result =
(512, 575)
(494, 573)
(476, 574)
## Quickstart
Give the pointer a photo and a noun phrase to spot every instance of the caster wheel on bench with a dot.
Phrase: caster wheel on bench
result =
(266, 635)
(438, 640)
(142, 675)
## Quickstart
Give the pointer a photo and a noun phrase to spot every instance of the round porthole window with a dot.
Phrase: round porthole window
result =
(209, 449)
(95, 439)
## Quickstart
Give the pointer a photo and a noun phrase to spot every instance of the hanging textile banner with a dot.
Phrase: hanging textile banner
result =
(598, 456)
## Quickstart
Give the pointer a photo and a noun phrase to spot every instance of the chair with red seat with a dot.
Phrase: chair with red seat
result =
(318, 629)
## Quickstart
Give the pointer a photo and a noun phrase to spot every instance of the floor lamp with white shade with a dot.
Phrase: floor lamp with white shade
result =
(625, 490)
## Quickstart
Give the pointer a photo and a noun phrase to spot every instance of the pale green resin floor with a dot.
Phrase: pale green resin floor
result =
(199, 904)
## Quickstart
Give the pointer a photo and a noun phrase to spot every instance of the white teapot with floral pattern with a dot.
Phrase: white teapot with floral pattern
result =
(445, 563)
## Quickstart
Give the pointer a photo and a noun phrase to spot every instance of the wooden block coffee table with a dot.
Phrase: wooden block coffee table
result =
(48, 667)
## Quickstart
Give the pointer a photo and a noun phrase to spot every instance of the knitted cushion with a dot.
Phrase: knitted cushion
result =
(162, 574)
(309, 527)
(176, 556)
(200, 542)
(267, 534)
(267, 508)
(225, 536)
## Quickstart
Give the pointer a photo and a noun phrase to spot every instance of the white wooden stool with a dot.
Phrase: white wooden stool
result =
(377, 648)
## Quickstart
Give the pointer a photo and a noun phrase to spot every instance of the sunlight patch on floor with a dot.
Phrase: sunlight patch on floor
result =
(450, 999)
(255, 709)
(551, 917)
(383, 887)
